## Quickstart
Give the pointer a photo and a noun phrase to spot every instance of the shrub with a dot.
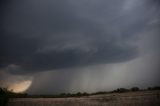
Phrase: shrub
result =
(154, 88)
(3, 97)
(121, 90)
(134, 89)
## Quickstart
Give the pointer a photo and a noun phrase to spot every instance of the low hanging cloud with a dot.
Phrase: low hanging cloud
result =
(39, 35)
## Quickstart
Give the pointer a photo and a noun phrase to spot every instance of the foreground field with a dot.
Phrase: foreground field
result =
(141, 98)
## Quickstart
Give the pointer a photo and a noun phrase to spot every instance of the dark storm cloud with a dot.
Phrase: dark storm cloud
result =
(52, 34)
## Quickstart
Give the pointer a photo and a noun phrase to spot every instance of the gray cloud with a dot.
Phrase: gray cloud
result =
(40, 35)
(73, 38)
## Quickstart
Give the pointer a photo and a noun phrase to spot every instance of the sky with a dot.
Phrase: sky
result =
(54, 46)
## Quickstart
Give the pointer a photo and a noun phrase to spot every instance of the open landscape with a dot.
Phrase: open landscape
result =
(139, 98)
(79, 53)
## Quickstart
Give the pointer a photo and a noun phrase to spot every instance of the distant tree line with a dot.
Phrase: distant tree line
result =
(5, 94)
(62, 95)
(121, 90)
(154, 88)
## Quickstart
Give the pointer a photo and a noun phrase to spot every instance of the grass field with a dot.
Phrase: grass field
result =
(140, 98)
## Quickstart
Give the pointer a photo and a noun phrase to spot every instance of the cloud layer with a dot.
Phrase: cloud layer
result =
(40, 35)
(62, 35)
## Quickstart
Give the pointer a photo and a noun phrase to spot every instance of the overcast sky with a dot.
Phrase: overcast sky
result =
(79, 45)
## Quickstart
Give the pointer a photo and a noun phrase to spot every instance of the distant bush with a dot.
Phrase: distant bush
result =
(85, 94)
(134, 89)
(79, 94)
(98, 93)
(120, 90)
(154, 88)
(3, 97)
